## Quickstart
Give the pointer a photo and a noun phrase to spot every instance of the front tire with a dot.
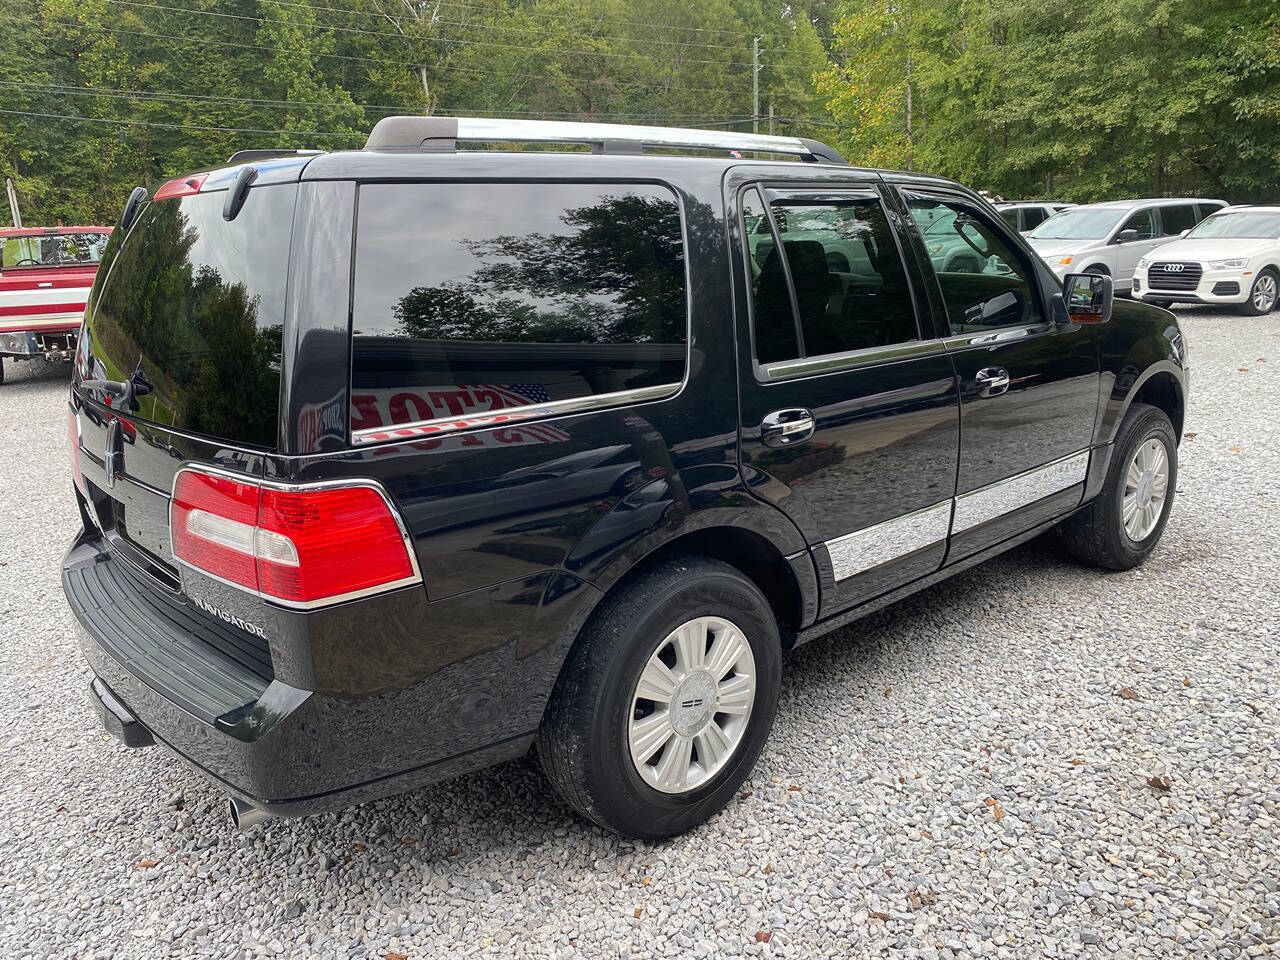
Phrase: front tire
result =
(1262, 295)
(665, 702)
(1120, 527)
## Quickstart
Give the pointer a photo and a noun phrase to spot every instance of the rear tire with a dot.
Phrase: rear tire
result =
(594, 744)
(1165, 304)
(1262, 295)
(1120, 527)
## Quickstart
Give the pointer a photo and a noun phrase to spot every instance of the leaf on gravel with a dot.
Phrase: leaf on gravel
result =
(638, 911)
(395, 956)
(408, 841)
(1244, 369)
(1128, 693)
(888, 691)
(146, 864)
(1186, 681)
(794, 788)
(997, 811)
(360, 846)
(877, 915)
(1160, 782)
(648, 880)
(763, 936)
(768, 868)
(1235, 450)
(744, 794)
(1076, 761)
(928, 897)
(1189, 436)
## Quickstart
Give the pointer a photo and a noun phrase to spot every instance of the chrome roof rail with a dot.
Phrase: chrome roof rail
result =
(251, 156)
(443, 133)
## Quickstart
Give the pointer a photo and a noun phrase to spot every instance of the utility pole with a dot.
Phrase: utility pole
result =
(755, 84)
(771, 119)
(13, 202)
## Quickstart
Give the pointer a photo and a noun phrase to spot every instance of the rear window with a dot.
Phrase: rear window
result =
(192, 310)
(471, 298)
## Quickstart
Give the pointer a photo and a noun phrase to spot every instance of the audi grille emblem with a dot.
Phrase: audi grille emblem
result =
(1174, 267)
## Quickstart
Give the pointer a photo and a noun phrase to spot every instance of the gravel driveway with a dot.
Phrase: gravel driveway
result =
(1032, 759)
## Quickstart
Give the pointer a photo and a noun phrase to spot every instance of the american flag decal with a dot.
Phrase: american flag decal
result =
(441, 413)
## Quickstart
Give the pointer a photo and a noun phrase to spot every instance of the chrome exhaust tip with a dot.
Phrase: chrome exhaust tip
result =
(245, 816)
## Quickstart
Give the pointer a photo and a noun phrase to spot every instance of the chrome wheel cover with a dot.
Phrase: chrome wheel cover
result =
(691, 705)
(1264, 293)
(1146, 487)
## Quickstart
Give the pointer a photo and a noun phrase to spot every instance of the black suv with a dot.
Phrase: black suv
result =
(394, 463)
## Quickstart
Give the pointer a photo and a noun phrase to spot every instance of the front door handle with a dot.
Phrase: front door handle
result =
(991, 381)
(785, 427)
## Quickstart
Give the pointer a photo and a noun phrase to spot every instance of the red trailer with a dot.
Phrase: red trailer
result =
(45, 276)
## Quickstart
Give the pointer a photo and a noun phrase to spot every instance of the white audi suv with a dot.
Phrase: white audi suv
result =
(1231, 257)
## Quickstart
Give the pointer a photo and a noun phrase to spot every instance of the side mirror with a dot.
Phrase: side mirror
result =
(1126, 236)
(1088, 297)
(1183, 233)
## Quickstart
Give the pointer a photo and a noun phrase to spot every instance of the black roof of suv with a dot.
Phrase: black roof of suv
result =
(393, 461)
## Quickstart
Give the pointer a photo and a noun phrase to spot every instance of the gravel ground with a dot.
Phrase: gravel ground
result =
(1032, 759)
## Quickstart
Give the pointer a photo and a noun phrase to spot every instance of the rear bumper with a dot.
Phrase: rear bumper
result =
(290, 751)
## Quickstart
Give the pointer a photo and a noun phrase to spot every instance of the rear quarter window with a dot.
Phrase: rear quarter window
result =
(476, 297)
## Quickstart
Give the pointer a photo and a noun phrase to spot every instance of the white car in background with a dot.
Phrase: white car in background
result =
(1025, 215)
(1231, 257)
(1112, 237)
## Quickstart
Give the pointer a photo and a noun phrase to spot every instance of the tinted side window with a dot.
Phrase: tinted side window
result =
(1206, 209)
(1032, 217)
(774, 322)
(1143, 222)
(985, 282)
(471, 298)
(1176, 218)
(1010, 216)
(849, 282)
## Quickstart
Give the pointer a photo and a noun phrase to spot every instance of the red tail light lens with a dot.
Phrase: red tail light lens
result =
(345, 540)
(297, 546)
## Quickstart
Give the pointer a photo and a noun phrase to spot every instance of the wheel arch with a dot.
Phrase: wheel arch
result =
(1161, 385)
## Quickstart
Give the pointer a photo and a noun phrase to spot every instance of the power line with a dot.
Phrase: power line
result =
(400, 36)
(111, 93)
(176, 126)
(663, 27)
(377, 60)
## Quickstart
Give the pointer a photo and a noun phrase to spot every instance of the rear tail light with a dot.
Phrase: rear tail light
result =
(302, 546)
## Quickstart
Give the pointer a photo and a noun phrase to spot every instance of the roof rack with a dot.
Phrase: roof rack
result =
(252, 156)
(444, 133)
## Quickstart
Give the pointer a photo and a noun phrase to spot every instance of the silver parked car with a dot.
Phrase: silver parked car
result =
(1025, 215)
(1112, 237)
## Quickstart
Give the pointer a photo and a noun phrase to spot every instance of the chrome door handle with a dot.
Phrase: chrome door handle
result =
(991, 381)
(785, 427)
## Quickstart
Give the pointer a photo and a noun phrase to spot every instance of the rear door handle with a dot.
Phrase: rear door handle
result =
(991, 381)
(785, 427)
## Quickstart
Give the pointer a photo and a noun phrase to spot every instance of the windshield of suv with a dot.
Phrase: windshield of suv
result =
(1082, 223)
(1256, 224)
(52, 250)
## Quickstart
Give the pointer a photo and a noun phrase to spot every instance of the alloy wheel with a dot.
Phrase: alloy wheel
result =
(1146, 487)
(1264, 293)
(691, 705)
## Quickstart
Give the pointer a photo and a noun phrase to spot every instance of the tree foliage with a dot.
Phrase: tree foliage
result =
(1069, 99)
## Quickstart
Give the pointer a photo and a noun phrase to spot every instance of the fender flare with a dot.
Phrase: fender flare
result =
(1122, 399)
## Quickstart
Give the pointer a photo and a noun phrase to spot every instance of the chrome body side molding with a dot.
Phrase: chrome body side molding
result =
(864, 549)
(873, 546)
(1004, 496)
